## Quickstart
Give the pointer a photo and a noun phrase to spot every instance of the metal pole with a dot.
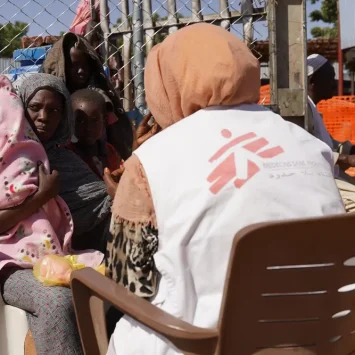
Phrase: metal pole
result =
(138, 56)
(148, 22)
(105, 26)
(225, 14)
(271, 10)
(172, 17)
(196, 13)
(247, 10)
(92, 9)
(340, 59)
(127, 45)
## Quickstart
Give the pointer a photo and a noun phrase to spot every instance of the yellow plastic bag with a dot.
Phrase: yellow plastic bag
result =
(54, 270)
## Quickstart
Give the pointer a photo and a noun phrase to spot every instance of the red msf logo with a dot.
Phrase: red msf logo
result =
(226, 171)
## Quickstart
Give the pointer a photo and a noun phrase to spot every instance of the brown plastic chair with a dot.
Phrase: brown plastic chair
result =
(30, 348)
(284, 292)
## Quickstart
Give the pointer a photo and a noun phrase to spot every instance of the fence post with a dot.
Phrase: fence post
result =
(92, 8)
(288, 41)
(225, 14)
(196, 13)
(247, 10)
(126, 25)
(148, 22)
(138, 56)
(104, 23)
(172, 17)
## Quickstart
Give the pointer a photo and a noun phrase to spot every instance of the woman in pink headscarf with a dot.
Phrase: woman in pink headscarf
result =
(34, 222)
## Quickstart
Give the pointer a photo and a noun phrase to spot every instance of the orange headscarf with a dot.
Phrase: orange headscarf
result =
(197, 67)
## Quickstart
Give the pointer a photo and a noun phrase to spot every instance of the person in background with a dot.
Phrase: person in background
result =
(75, 61)
(172, 227)
(89, 121)
(83, 16)
(34, 222)
(86, 23)
(321, 86)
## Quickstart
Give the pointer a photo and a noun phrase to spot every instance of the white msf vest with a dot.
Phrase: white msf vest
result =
(210, 175)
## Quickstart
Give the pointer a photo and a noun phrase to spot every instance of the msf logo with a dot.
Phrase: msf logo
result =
(226, 171)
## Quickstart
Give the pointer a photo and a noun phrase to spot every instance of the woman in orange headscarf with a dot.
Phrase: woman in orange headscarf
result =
(220, 163)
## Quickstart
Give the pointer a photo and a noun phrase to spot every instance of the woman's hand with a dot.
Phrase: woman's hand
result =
(111, 181)
(49, 184)
(116, 174)
(144, 131)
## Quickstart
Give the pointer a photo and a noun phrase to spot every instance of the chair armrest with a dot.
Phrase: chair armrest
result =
(88, 283)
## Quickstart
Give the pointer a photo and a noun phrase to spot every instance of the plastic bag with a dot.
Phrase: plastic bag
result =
(54, 270)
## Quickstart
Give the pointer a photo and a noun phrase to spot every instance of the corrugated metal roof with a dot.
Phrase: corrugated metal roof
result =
(6, 64)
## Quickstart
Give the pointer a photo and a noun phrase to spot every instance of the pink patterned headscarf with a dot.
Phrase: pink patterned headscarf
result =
(50, 229)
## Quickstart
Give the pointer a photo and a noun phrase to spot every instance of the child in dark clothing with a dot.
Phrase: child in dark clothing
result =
(76, 62)
(90, 113)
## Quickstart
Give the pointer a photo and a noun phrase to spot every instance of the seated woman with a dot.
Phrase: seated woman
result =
(89, 118)
(85, 194)
(220, 163)
(34, 222)
(75, 61)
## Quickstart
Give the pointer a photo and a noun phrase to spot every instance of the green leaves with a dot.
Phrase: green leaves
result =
(10, 37)
(324, 32)
(328, 13)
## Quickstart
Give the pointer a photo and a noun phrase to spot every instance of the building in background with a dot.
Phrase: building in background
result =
(347, 23)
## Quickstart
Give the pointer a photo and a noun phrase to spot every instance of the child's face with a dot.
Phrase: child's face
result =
(89, 122)
(78, 70)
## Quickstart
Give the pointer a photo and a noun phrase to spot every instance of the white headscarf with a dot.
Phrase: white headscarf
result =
(314, 63)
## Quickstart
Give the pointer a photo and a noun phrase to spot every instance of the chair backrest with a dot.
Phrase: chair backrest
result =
(291, 286)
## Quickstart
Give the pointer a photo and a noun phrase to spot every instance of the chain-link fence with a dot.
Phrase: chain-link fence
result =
(123, 32)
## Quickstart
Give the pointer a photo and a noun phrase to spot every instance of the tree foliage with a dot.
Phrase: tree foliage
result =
(328, 13)
(324, 32)
(10, 37)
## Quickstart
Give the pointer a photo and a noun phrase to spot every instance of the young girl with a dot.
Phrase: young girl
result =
(89, 119)
(34, 222)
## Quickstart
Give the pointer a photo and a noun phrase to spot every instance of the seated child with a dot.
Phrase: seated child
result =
(90, 113)
(34, 222)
